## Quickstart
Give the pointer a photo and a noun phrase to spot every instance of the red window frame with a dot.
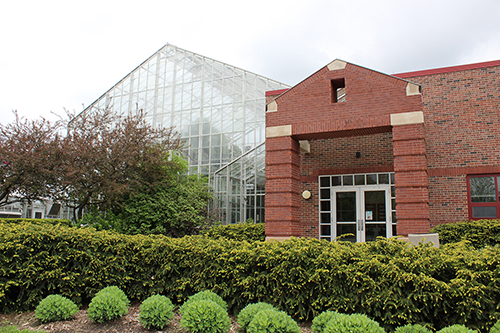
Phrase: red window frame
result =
(484, 204)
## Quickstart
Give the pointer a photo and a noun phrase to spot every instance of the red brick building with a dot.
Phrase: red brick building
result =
(354, 151)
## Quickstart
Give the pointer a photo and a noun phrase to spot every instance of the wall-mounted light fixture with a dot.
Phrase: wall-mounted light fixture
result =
(358, 154)
(306, 194)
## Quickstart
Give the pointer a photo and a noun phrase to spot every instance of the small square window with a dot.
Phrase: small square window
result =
(338, 91)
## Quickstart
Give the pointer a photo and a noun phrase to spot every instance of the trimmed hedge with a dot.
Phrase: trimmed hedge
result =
(389, 281)
(68, 223)
(479, 233)
(247, 231)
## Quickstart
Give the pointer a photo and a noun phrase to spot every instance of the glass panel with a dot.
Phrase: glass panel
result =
(346, 206)
(394, 219)
(359, 179)
(371, 179)
(498, 182)
(325, 193)
(324, 181)
(375, 206)
(482, 189)
(347, 180)
(325, 218)
(484, 212)
(325, 206)
(347, 231)
(394, 230)
(326, 230)
(336, 181)
(375, 230)
(383, 178)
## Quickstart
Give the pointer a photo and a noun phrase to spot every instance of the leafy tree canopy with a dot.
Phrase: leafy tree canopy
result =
(99, 161)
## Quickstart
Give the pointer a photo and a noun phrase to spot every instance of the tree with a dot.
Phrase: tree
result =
(101, 162)
(108, 156)
(31, 152)
(175, 207)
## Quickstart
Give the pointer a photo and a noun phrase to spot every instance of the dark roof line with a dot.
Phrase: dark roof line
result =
(448, 69)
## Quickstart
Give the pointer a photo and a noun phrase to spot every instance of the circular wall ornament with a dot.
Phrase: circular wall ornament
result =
(306, 194)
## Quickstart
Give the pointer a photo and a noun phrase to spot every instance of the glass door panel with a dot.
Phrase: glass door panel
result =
(346, 211)
(375, 215)
(356, 208)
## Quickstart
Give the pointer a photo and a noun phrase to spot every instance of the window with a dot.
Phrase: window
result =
(484, 198)
(338, 91)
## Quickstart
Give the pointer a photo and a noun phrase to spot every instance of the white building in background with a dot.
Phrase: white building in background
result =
(219, 110)
(36, 210)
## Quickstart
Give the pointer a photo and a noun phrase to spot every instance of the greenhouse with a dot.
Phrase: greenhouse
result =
(220, 112)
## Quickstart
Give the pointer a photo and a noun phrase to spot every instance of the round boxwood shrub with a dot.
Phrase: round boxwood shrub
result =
(319, 322)
(456, 329)
(205, 295)
(117, 292)
(107, 304)
(354, 323)
(272, 320)
(495, 328)
(205, 316)
(156, 312)
(248, 312)
(55, 308)
(412, 328)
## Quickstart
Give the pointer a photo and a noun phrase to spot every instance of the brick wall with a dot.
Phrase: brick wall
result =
(462, 131)
(336, 131)
(460, 136)
(448, 199)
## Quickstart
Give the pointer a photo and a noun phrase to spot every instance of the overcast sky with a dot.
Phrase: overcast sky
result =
(65, 54)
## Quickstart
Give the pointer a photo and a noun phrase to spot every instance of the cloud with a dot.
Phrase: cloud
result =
(61, 54)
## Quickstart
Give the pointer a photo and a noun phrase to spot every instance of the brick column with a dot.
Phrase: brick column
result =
(282, 187)
(411, 179)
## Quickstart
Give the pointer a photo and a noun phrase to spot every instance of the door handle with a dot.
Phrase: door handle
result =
(362, 225)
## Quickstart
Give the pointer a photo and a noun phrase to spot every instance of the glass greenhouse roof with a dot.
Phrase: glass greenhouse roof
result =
(218, 109)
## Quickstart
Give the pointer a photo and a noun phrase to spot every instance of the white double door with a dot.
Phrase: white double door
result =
(361, 214)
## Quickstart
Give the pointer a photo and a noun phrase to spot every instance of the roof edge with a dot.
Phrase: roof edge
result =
(276, 92)
(449, 69)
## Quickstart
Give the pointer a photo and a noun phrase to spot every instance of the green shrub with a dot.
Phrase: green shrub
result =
(319, 322)
(55, 308)
(64, 222)
(479, 233)
(495, 328)
(247, 231)
(116, 292)
(14, 329)
(108, 304)
(388, 281)
(205, 316)
(156, 312)
(354, 323)
(456, 329)
(205, 295)
(246, 315)
(272, 320)
(412, 328)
